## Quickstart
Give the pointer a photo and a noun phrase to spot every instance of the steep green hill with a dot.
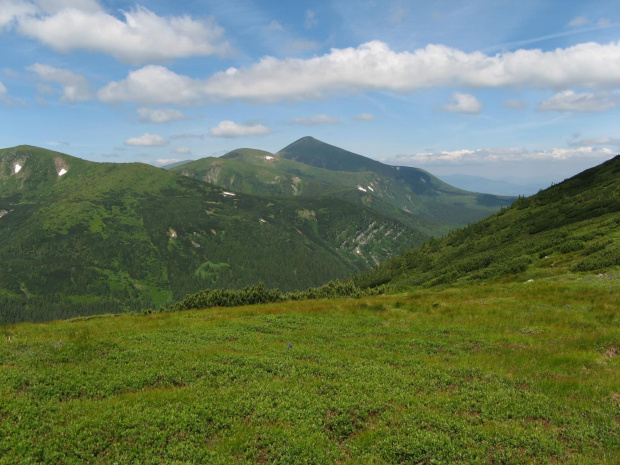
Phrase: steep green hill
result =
(78, 237)
(572, 226)
(309, 167)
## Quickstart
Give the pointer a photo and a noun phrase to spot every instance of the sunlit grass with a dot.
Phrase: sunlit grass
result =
(505, 373)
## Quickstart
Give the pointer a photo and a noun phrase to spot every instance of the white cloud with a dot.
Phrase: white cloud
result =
(364, 117)
(142, 37)
(232, 129)
(12, 10)
(515, 104)
(464, 103)
(613, 141)
(579, 21)
(503, 154)
(182, 150)
(75, 88)
(584, 102)
(153, 85)
(603, 22)
(316, 120)
(3, 90)
(159, 115)
(310, 19)
(374, 67)
(147, 140)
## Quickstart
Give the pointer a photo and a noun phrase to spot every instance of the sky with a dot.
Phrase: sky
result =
(494, 88)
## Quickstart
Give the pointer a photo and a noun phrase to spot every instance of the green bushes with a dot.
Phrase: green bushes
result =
(259, 294)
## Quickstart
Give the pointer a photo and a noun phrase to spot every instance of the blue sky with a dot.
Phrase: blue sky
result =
(490, 88)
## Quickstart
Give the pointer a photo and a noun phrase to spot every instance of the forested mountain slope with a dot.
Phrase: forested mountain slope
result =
(572, 226)
(310, 167)
(78, 237)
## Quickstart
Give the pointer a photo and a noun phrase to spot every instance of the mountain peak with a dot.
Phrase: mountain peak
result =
(314, 152)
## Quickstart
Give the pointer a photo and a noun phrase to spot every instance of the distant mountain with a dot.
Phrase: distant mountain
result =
(494, 186)
(79, 237)
(174, 165)
(309, 167)
(573, 226)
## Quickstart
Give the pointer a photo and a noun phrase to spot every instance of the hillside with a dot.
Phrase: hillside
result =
(78, 237)
(572, 226)
(309, 167)
(496, 373)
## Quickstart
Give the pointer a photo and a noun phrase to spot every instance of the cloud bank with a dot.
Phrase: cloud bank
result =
(504, 154)
(373, 66)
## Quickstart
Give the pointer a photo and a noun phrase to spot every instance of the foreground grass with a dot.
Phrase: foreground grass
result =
(503, 373)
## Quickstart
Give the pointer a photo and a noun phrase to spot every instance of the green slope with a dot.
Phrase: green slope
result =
(489, 374)
(107, 237)
(309, 167)
(570, 227)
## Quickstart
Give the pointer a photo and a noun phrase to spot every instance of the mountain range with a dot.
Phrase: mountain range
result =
(311, 168)
(79, 237)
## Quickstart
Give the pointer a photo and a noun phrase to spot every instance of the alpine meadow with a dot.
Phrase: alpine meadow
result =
(255, 232)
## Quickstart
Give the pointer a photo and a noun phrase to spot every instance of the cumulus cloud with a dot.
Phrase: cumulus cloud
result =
(569, 100)
(159, 115)
(316, 120)
(141, 37)
(463, 103)
(147, 140)
(12, 10)
(364, 117)
(153, 85)
(182, 150)
(232, 129)
(373, 66)
(515, 104)
(503, 154)
(75, 88)
(613, 141)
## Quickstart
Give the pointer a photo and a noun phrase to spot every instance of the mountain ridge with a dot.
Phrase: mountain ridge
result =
(573, 226)
(313, 168)
(106, 237)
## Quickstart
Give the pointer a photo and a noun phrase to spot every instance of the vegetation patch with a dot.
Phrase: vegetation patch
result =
(445, 375)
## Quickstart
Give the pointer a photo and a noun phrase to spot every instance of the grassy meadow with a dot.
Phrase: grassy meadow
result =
(508, 372)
